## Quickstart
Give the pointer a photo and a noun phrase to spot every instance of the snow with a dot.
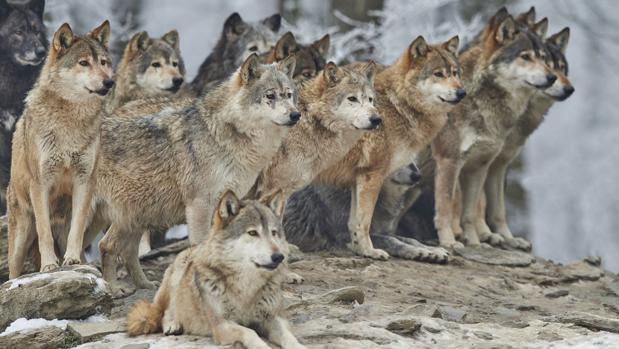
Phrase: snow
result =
(26, 280)
(23, 324)
(101, 285)
(177, 232)
(600, 340)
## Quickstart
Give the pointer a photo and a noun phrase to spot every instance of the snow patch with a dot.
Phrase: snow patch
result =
(23, 324)
(177, 232)
(24, 281)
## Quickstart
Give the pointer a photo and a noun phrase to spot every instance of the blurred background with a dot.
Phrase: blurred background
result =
(563, 192)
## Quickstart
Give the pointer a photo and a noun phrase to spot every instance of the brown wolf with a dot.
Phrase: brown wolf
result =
(171, 166)
(413, 98)
(56, 146)
(228, 286)
(502, 70)
(311, 59)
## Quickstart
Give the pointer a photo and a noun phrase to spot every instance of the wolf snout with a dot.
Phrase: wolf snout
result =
(277, 258)
(460, 93)
(568, 90)
(375, 121)
(40, 52)
(177, 82)
(108, 83)
(294, 117)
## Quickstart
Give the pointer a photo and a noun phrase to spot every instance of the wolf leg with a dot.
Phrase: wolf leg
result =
(109, 248)
(81, 205)
(363, 200)
(21, 236)
(457, 210)
(39, 196)
(279, 333)
(227, 333)
(402, 248)
(471, 181)
(447, 171)
(132, 261)
(144, 243)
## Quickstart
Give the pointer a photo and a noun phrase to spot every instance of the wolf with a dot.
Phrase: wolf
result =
(149, 67)
(229, 286)
(502, 70)
(413, 96)
(23, 47)
(56, 145)
(526, 124)
(311, 59)
(238, 40)
(336, 108)
(170, 167)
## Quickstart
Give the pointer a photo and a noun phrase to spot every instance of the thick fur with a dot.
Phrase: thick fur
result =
(413, 97)
(502, 71)
(149, 67)
(56, 146)
(238, 40)
(170, 167)
(228, 286)
(311, 59)
(23, 47)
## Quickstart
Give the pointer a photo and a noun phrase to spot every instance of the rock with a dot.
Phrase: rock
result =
(548, 335)
(450, 314)
(582, 271)
(166, 250)
(122, 341)
(342, 295)
(404, 327)
(557, 294)
(494, 256)
(526, 307)
(295, 254)
(68, 293)
(590, 321)
(87, 331)
(595, 261)
(613, 287)
(483, 335)
(432, 326)
(49, 337)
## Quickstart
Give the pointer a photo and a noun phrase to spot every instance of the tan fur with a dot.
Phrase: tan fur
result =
(412, 116)
(55, 149)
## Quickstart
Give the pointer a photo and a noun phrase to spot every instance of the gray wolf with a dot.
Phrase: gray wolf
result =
(23, 47)
(149, 67)
(238, 40)
(170, 167)
(502, 70)
(228, 286)
(56, 145)
(311, 59)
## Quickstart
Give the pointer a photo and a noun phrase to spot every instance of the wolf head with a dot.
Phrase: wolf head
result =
(79, 67)
(266, 92)
(22, 33)
(350, 95)
(311, 58)
(562, 88)
(155, 65)
(431, 73)
(249, 233)
(517, 57)
(240, 39)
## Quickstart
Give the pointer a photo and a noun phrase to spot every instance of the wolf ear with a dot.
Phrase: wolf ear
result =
(276, 202)
(561, 39)
(322, 45)
(139, 42)
(541, 28)
(102, 33)
(505, 31)
(418, 48)
(527, 18)
(330, 74)
(172, 38)
(288, 65)
(63, 38)
(250, 69)
(228, 207)
(234, 25)
(37, 6)
(274, 22)
(370, 71)
(285, 46)
(452, 44)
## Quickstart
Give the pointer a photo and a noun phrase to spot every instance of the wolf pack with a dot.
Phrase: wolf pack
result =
(133, 148)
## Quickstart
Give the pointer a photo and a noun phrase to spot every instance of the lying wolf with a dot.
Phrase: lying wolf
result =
(229, 286)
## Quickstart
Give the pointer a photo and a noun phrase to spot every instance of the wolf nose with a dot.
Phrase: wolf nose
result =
(460, 93)
(295, 116)
(375, 120)
(277, 257)
(40, 52)
(551, 78)
(568, 91)
(415, 173)
(108, 83)
(177, 82)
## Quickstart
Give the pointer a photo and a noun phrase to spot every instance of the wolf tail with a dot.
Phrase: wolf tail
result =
(144, 318)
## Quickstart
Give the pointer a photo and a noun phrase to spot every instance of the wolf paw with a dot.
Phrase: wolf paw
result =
(518, 243)
(172, 328)
(294, 278)
(493, 239)
(120, 291)
(150, 285)
(450, 245)
(49, 267)
(437, 255)
(375, 253)
(71, 261)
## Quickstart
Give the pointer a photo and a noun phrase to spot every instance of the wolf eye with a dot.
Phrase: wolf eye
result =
(19, 32)
(103, 62)
(308, 74)
(525, 56)
(289, 95)
(253, 48)
(156, 65)
(353, 99)
(252, 233)
(371, 99)
(271, 96)
(175, 64)
(439, 74)
(84, 63)
(274, 233)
